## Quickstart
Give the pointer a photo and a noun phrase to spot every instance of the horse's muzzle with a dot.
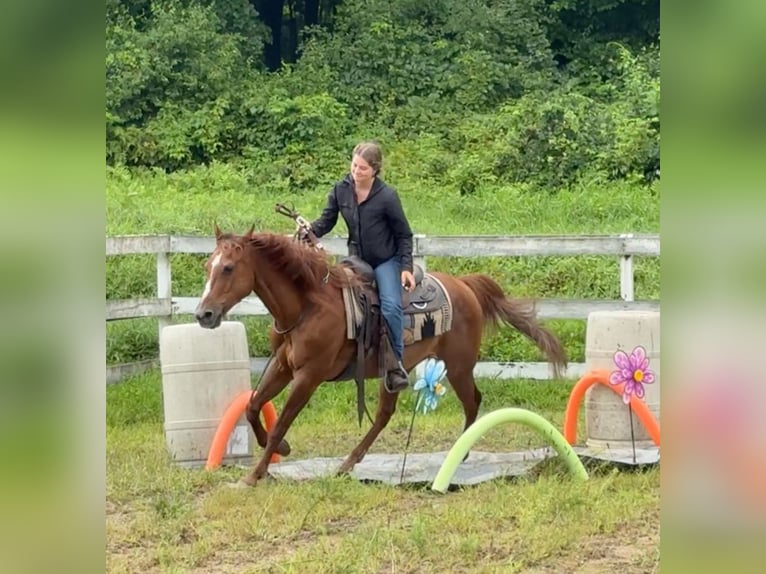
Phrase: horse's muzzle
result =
(208, 318)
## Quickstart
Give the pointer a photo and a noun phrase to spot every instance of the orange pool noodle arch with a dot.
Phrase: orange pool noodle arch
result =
(229, 421)
(601, 376)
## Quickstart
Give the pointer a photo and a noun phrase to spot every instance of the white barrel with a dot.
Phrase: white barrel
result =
(607, 417)
(203, 371)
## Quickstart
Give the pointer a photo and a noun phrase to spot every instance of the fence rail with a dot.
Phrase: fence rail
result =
(626, 244)
(624, 247)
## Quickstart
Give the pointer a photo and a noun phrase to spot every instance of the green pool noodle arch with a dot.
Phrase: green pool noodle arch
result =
(501, 416)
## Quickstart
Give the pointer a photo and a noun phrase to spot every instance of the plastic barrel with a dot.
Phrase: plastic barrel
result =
(607, 418)
(203, 371)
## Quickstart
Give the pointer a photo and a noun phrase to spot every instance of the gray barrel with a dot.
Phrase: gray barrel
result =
(607, 418)
(203, 371)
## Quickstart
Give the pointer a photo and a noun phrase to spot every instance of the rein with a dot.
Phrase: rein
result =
(260, 380)
(305, 233)
(305, 227)
(409, 436)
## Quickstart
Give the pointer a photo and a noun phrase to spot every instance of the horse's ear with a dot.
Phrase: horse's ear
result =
(217, 232)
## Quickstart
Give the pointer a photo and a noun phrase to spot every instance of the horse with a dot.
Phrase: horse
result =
(302, 289)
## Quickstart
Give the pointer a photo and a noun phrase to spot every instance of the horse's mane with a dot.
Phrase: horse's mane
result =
(305, 267)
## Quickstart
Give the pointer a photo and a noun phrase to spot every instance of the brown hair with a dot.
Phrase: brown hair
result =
(371, 153)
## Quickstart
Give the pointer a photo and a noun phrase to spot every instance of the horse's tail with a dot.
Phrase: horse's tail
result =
(497, 307)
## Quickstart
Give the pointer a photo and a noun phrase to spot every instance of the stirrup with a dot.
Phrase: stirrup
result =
(400, 380)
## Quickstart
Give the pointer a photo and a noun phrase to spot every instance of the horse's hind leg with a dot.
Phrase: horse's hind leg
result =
(300, 394)
(386, 409)
(465, 388)
(273, 381)
(460, 375)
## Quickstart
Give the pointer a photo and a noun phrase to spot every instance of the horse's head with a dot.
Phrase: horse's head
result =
(229, 278)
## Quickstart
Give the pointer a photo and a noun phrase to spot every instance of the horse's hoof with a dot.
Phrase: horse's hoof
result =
(283, 449)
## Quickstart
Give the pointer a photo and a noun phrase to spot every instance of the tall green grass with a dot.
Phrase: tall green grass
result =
(152, 201)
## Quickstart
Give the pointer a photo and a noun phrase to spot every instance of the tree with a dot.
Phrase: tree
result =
(271, 13)
(287, 21)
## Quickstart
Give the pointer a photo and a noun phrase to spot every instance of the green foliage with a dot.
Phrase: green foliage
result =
(303, 134)
(579, 29)
(239, 18)
(450, 56)
(171, 89)
(554, 139)
(131, 340)
(137, 275)
(479, 80)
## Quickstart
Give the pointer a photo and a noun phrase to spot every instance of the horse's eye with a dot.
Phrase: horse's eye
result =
(228, 268)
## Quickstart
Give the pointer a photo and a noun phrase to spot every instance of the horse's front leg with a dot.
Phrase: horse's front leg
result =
(303, 387)
(274, 380)
(386, 409)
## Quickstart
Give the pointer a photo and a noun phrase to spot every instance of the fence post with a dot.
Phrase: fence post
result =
(626, 274)
(163, 286)
(417, 257)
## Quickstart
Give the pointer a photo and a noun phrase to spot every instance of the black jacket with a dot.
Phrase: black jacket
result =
(377, 229)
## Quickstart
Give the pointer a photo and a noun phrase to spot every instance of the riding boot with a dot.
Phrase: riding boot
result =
(396, 379)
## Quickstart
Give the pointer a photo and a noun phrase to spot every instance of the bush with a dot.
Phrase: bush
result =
(404, 65)
(554, 139)
(476, 77)
(172, 85)
(299, 138)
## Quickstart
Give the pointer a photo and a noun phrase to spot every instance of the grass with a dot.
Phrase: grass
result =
(190, 202)
(161, 518)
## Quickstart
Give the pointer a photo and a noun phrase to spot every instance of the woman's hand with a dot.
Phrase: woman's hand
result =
(408, 280)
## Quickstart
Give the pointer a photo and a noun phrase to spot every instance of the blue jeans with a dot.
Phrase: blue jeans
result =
(388, 276)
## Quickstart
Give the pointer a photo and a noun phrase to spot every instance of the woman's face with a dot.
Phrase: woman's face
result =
(361, 171)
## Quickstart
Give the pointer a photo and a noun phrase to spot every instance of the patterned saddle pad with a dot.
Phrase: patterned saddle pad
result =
(427, 311)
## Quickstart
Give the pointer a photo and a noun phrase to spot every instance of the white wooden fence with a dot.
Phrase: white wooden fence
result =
(623, 247)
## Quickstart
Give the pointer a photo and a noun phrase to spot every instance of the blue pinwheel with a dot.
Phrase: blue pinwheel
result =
(430, 385)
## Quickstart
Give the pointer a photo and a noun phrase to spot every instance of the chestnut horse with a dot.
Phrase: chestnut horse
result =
(301, 288)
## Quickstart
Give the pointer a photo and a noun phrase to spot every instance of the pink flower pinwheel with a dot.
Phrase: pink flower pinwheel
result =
(633, 370)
